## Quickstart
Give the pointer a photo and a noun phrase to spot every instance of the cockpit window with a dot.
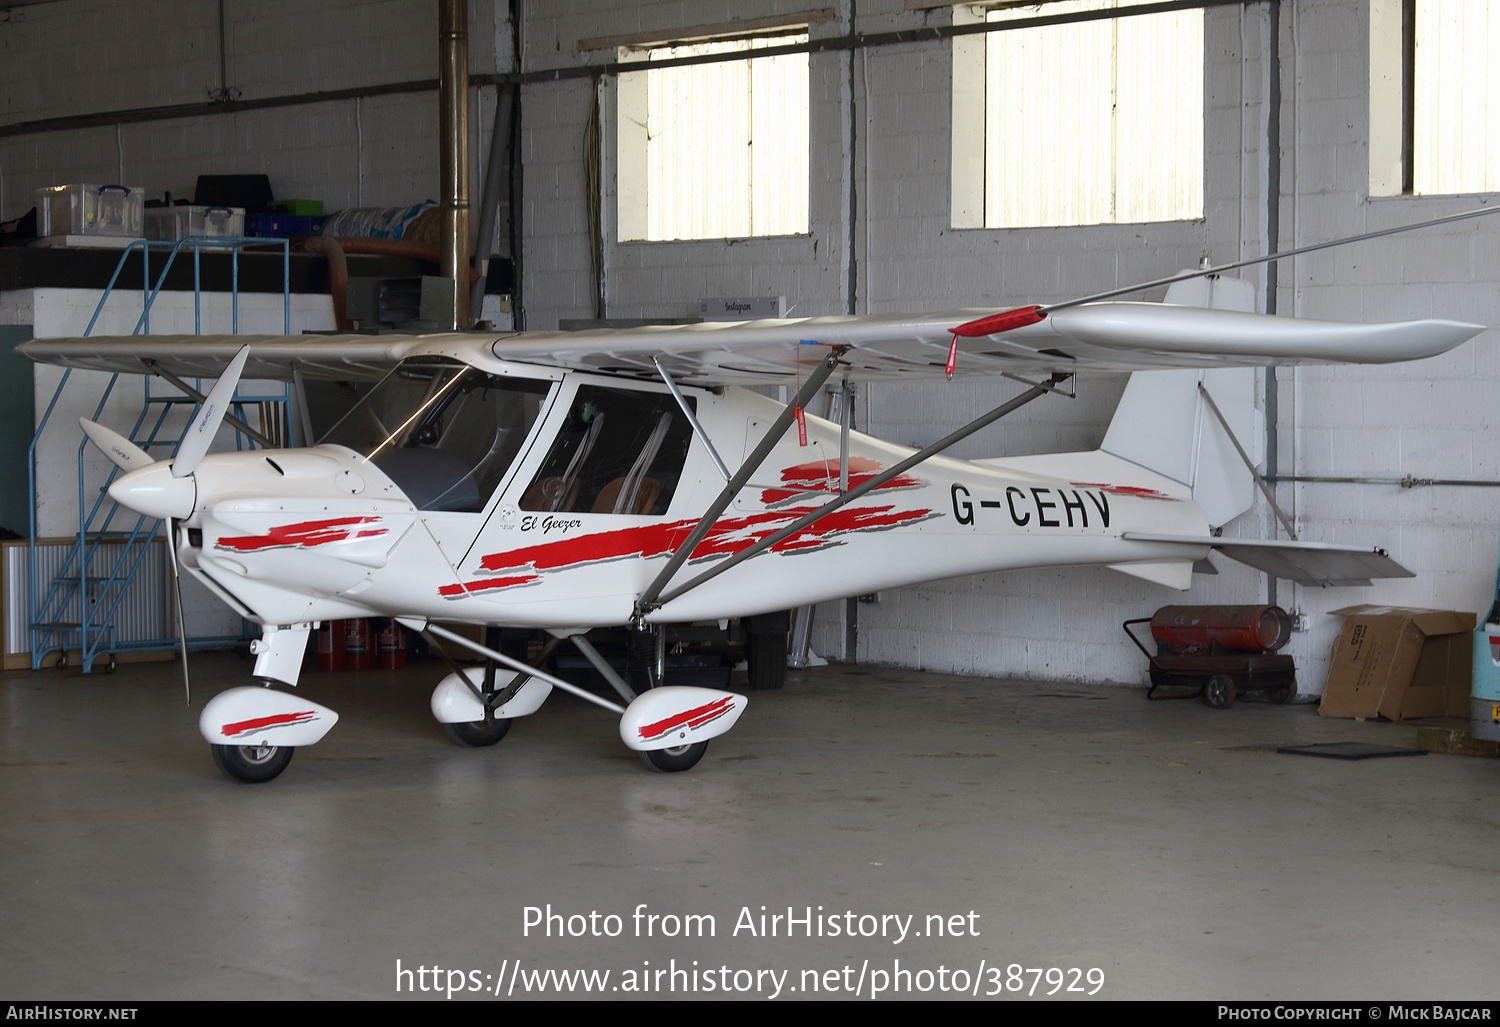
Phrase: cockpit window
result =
(620, 451)
(444, 432)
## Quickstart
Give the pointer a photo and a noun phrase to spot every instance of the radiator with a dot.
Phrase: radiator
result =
(143, 615)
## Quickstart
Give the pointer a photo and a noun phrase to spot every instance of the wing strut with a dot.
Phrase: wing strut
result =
(752, 463)
(514, 664)
(200, 397)
(692, 419)
(880, 479)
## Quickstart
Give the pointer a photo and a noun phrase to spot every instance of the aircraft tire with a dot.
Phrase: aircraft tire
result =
(252, 764)
(478, 734)
(765, 653)
(674, 760)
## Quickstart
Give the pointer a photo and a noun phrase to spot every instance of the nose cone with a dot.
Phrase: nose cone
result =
(154, 492)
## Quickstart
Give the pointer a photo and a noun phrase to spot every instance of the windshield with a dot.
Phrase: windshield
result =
(444, 432)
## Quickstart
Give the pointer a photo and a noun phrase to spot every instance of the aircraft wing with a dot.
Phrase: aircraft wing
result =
(272, 357)
(1114, 337)
(1308, 563)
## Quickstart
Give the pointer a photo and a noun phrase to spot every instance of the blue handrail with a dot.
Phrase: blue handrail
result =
(95, 625)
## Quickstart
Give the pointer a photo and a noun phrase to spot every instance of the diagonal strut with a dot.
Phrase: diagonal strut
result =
(937, 447)
(647, 600)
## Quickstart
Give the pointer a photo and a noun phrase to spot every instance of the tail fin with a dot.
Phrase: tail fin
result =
(1163, 423)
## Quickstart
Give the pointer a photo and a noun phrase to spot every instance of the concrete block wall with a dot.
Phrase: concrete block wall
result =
(89, 56)
(55, 311)
(881, 145)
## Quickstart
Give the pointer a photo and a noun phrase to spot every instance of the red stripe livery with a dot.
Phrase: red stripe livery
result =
(278, 720)
(694, 718)
(304, 535)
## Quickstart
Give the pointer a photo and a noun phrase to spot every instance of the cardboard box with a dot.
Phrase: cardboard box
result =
(1399, 663)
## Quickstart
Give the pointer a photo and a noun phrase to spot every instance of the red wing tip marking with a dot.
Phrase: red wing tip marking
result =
(694, 718)
(259, 723)
(995, 324)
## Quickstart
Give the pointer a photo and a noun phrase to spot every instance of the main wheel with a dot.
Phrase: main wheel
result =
(765, 652)
(1219, 692)
(252, 764)
(1284, 693)
(478, 734)
(675, 759)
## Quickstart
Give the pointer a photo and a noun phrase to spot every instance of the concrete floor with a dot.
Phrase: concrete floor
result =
(1165, 844)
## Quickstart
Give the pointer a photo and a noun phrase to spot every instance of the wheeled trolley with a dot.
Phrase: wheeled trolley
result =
(1220, 652)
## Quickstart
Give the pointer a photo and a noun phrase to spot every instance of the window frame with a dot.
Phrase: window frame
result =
(969, 125)
(632, 110)
(1393, 108)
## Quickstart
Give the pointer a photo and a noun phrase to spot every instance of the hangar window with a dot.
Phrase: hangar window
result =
(1434, 121)
(1083, 123)
(714, 150)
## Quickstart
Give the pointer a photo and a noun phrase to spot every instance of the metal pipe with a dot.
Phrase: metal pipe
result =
(1408, 482)
(453, 134)
(489, 198)
(854, 41)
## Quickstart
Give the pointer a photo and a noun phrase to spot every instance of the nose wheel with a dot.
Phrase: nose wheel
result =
(676, 759)
(478, 734)
(252, 764)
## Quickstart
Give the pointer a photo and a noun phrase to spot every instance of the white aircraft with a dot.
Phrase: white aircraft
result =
(567, 481)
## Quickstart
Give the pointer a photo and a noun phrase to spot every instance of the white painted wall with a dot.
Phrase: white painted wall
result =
(56, 312)
(85, 56)
(880, 142)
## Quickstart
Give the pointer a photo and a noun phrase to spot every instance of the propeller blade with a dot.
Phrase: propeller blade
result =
(200, 434)
(187, 686)
(123, 453)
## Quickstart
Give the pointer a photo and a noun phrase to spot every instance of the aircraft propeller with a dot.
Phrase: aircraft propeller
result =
(149, 488)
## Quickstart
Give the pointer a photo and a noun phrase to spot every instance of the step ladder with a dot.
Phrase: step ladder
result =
(116, 567)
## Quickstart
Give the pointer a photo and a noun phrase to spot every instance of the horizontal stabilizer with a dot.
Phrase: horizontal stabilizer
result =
(1176, 574)
(1307, 563)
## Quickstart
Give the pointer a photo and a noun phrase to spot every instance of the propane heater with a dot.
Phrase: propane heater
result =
(1220, 652)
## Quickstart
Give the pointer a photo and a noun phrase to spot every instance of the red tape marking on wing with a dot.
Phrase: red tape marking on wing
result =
(304, 534)
(694, 718)
(279, 720)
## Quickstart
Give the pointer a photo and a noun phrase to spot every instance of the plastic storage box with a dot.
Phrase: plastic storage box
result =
(285, 226)
(297, 208)
(173, 223)
(84, 209)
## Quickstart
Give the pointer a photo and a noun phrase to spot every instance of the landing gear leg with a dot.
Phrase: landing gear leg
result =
(479, 734)
(765, 649)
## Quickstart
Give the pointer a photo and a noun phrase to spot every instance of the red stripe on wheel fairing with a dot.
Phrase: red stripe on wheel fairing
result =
(694, 718)
(279, 720)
